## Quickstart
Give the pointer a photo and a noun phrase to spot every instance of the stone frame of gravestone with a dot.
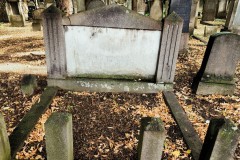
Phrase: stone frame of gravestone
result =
(119, 35)
(216, 75)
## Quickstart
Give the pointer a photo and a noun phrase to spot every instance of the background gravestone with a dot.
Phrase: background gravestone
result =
(209, 10)
(233, 17)
(216, 75)
(183, 9)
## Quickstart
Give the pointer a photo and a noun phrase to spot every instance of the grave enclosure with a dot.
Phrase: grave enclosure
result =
(111, 49)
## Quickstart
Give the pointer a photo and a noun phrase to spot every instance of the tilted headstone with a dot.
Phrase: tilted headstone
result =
(151, 140)
(59, 137)
(221, 140)
(216, 75)
(4, 141)
(233, 17)
(209, 10)
(171, 38)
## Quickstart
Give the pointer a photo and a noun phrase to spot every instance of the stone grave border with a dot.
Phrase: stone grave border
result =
(151, 138)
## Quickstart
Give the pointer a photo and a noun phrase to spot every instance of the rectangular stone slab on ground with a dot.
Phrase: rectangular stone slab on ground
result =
(190, 136)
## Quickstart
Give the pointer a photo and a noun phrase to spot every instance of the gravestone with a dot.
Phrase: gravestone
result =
(141, 6)
(209, 10)
(222, 9)
(221, 140)
(151, 139)
(4, 142)
(172, 30)
(37, 20)
(183, 9)
(233, 17)
(118, 50)
(16, 13)
(59, 137)
(216, 75)
(193, 16)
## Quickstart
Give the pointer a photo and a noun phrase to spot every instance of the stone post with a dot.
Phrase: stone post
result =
(221, 140)
(54, 42)
(169, 48)
(4, 141)
(59, 137)
(28, 84)
(152, 137)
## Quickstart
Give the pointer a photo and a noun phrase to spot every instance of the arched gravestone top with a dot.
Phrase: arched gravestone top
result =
(221, 57)
(112, 16)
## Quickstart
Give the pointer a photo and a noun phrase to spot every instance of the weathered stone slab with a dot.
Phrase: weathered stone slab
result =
(189, 134)
(218, 65)
(151, 140)
(221, 140)
(54, 42)
(105, 85)
(209, 10)
(103, 56)
(28, 84)
(156, 11)
(141, 6)
(4, 142)
(23, 129)
(59, 137)
(170, 42)
(112, 16)
(183, 9)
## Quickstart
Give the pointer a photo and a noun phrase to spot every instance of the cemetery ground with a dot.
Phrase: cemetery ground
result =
(105, 125)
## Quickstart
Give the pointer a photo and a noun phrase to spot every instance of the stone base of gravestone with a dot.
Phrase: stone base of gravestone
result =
(59, 137)
(37, 25)
(4, 141)
(17, 21)
(205, 88)
(28, 84)
(152, 137)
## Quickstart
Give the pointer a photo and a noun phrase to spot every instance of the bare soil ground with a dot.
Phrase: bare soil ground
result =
(106, 125)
